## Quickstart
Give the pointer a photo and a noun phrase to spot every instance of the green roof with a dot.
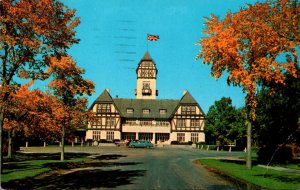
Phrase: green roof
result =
(188, 99)
(104, 97)
(138, 105)
(153, 105)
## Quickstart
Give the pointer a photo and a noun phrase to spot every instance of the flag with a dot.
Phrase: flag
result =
(152, 37)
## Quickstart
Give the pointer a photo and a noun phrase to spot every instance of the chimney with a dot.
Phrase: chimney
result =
(184, 92)
(107, 89)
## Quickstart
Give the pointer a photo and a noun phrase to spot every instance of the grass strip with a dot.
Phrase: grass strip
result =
(25, 169)
(263, 177)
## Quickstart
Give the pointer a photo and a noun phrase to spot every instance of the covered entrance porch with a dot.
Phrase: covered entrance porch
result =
(152, 137)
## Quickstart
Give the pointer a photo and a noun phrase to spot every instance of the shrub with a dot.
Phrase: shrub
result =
(279, 155)
(174, 142)
(181, 143)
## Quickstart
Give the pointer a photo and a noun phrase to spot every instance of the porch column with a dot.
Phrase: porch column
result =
(153, 139)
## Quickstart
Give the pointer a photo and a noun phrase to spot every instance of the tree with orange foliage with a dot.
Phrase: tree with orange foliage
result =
(247, 46)
(68, 86)
(285, 19)
(30, 32)
(30, 112)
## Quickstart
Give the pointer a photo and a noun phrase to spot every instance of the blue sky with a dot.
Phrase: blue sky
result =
(113, 40)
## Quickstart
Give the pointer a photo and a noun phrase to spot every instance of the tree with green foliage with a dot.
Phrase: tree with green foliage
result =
(225, 124)
(277, 123)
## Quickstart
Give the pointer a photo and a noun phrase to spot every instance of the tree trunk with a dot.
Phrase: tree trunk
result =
(9, 150)
(1, 139)
(249, 158)
(62, 153)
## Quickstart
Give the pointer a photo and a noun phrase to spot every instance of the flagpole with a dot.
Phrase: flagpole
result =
(151, 38)
(147, 41)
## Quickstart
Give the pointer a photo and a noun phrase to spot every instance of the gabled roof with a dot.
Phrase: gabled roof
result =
(104, 98)
(188, 99)
(138, 105)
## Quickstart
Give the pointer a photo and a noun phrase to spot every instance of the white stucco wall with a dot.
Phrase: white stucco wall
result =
(146, 129)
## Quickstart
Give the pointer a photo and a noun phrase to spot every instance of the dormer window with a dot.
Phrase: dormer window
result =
(146, 111)
(129, 110)
(162, 111)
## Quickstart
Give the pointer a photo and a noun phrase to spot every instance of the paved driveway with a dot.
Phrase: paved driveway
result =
(158, 168)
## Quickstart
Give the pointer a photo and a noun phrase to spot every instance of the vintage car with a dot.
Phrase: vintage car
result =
(140, 144)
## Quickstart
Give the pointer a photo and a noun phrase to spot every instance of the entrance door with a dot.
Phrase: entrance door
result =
(128, 136)
(146, 136)
(162, 137)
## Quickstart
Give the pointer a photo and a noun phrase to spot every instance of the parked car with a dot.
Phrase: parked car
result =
(140, 144)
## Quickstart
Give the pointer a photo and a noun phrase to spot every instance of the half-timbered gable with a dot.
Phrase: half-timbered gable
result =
(188, 119)
(106, 119)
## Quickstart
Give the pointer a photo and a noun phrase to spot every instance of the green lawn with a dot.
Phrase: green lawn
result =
(25, 166)
(291, 166)
(266, 178)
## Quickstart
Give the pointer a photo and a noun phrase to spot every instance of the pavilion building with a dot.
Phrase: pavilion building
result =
(145, 117)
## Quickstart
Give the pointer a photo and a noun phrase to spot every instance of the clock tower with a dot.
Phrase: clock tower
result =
(146, 78)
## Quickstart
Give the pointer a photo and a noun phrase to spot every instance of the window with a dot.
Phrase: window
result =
(128, 136)
(146, 111)
(194, 137)
(96, 135)
(162, 137)
(110, 135)
(195, 123)
(181, 123)
(146, 90)
(103, 108)
(188, 110)
(162, 111)
(97, 121)
(110, 121)
(180, 137)
(129, 110)
(146, 85)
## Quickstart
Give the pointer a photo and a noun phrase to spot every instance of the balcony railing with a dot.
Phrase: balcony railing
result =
(146, 91)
